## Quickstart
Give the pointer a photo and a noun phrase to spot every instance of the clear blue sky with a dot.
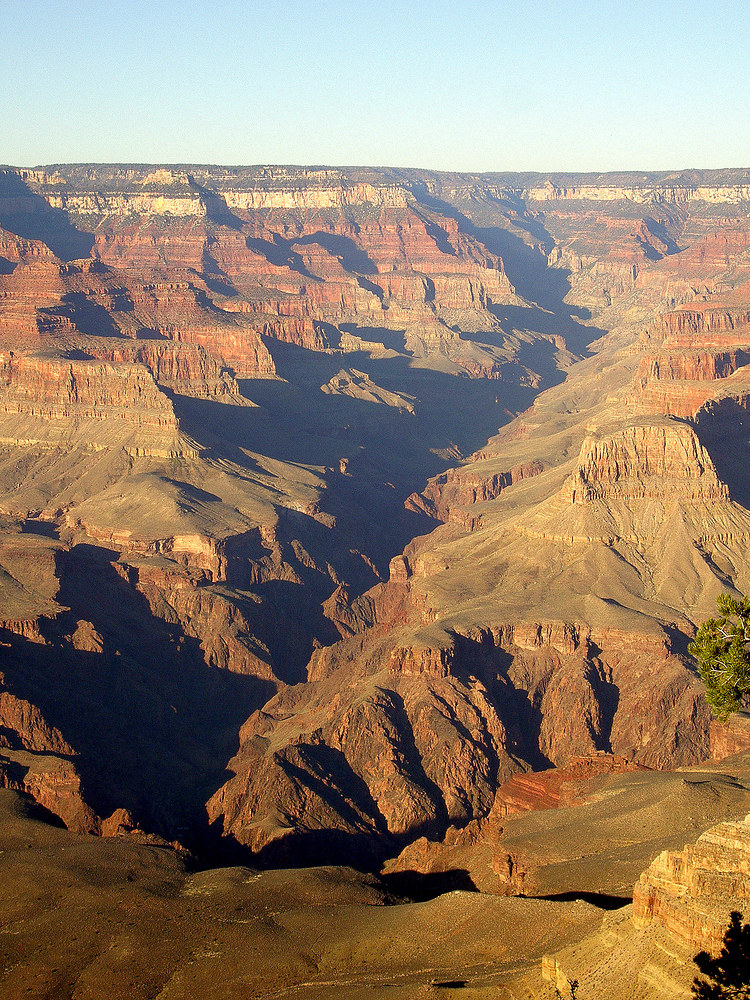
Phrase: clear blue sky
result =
(459, 85)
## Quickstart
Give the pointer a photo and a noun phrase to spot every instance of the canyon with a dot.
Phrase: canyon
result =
(362, 516)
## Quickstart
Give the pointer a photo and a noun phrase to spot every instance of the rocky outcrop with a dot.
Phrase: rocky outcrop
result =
(694, 366)
(710, 326)
(186, 369)
(230, 632)
(654, 189)
(478, 846)
(34, 284)
(697, 352)
(54, 783)
(47, 402)
(557, 788)
(401, 759)
(446, 494)
(645, 460)
(591, 827)
(691, 892)
(87, 306)
(730, 737)
(24, 726)
(396, 719)
(53, 388)
(358, 385)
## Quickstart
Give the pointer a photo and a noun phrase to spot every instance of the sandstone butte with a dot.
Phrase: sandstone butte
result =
(338, 507)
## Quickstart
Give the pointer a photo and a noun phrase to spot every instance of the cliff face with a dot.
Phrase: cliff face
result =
(692, 892)
(350, 253)
(231, 399)
(52, 388)
(642, 461)
(185, 369)
(681, 905)
(433, 732)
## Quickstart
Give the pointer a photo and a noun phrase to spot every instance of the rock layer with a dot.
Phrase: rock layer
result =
(392, 328)
(681, 905)
(692, 892)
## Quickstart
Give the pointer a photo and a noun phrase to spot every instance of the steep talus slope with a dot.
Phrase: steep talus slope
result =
(234, 401)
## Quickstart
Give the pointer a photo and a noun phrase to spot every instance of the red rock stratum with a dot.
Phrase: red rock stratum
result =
(333, 501)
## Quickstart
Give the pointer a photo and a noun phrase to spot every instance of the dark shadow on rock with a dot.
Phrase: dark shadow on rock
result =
(352, 257)
(149, 333)
(193, 492)
(607, 695)
(207, 303)
(439, 235)
(298, 624)
(151, 723)
(602, 900)
(533, 319)
(393, 340)
(215, 205)
(35, 526)
(366, 842)
(522, 719)
(11, 771)
(519, 713)
(280, 253)
(422, 886)
(370, 286)
(679, 642)
(329, 334)
(415, 769)
(88, 316)
(29, 216)
(32, 809)
(218, 285)
(362, 851)
(526, 265)
(729, 972)
(659, 231)
(723, 428)
(387, 452)
(326, 772)
(365, 851)
(217, 280)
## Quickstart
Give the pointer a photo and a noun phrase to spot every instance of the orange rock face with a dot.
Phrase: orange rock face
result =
(54, 783)
(558, 787)
(691, 892)
(446, 494)
(54, 388)
(448, 721)
(730, 737)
